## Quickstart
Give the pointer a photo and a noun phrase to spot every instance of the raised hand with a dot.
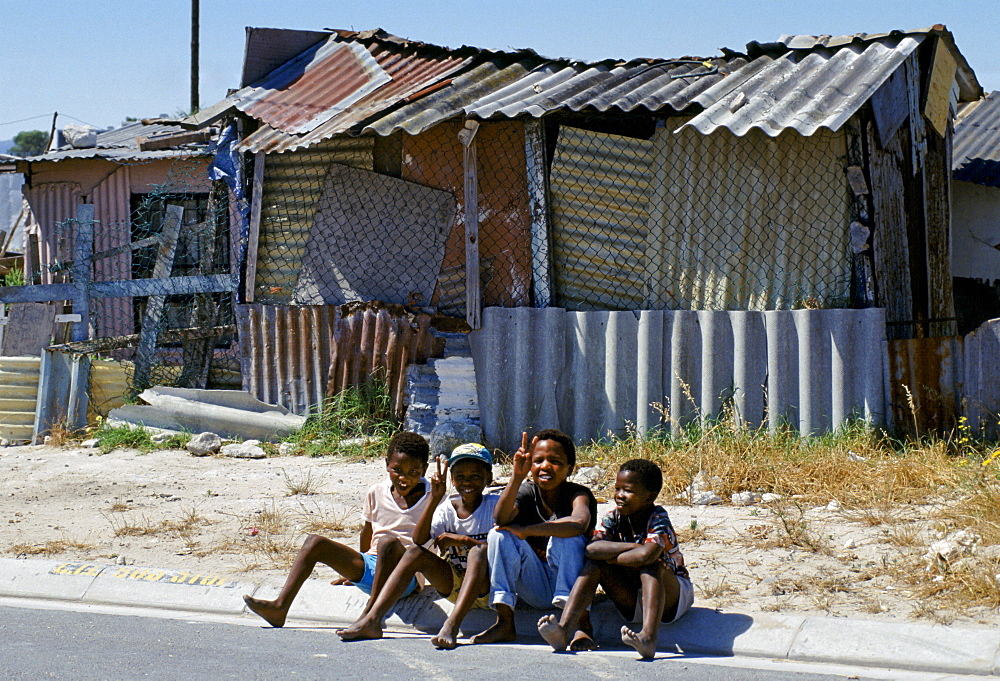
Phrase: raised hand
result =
(439, 479)
(522, 457)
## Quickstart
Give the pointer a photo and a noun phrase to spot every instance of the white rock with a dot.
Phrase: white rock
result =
(120, 560)
(92, 443)
(706, 498)
(945, 549)
(286, 448)
(834, 505)
(770, 497)
(80, 136)
(252, 443)
(851, 544)
(450, 434)
(744, 498)
(204, 444)
(4, 442)
(853, 456)
(160, 438)
(241, 450)
(588, 475)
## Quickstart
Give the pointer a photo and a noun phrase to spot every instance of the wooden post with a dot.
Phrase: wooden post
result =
(473, 301)
(154, 305)
(253, 238)
(534, 152)
(83, 252)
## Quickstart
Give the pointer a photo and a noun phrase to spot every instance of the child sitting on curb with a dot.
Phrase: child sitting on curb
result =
(459, 528)
(536, 552)
(633, 551)
(391, 511)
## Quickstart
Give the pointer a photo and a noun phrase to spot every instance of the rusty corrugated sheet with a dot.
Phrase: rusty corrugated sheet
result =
(342, 83)
(113, 212)
(772, 88)
(296, 356)
(925, 383)
(976, 151)
(53, 204)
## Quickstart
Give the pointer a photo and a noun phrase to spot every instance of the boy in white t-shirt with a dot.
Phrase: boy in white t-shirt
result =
(459, 528)
(392, 509)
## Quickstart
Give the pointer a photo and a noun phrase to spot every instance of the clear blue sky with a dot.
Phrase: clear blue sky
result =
(103, 60)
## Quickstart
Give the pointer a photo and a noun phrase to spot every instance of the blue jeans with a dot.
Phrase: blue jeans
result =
(515, 570)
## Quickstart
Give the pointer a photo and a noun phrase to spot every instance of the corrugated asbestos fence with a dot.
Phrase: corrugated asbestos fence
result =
(296, 356)
(947, 378)
(598, 373)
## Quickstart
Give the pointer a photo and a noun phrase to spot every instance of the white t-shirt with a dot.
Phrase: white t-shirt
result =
(476, 526)
(387, 518)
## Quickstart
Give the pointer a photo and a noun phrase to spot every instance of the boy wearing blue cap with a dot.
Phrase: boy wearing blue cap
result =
(458, 528)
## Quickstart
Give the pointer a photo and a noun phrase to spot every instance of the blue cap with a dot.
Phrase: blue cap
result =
(470, 450)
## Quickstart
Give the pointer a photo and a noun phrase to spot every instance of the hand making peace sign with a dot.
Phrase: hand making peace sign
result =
(439, 479)
(522, 457)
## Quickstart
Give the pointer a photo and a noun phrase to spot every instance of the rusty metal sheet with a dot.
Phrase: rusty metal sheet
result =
(926, 383)
(298, 355)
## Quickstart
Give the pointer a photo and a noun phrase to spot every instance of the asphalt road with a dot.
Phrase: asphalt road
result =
(58, 644)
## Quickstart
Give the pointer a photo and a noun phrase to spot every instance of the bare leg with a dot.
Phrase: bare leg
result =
(415, 559)
(583, 639)
(557, 633)
(389, 551)
(502, 631)
(475, 584)
(315, 549)
(656, 582)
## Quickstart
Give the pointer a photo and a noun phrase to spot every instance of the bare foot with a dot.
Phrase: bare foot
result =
(582, 641)
(272, 615)
(498, 633)
(361, 630)
(645, 646)
(446, 638)
(553, 633)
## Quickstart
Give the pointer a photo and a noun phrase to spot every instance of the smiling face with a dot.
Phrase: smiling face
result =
(470, 477)
(630, 494)
(549, 465)
(404, 472)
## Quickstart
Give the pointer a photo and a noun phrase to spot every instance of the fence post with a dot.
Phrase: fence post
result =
(83, 251)
(151, 318)
(473, 304)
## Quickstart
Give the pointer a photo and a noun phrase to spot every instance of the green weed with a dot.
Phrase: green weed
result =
(357, 422)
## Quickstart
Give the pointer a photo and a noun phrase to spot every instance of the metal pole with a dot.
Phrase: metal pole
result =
(195, 19)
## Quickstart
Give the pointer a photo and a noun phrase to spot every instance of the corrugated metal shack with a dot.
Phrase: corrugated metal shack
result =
(124, 165)
(802, 174)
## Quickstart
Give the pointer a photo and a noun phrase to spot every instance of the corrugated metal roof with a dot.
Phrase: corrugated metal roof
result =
(800, 82)
(976, 152)
(120, 145)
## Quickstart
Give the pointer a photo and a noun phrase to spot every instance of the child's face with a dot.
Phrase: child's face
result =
(470, 477)
(630, 495)
(404, 472)
(549, 465)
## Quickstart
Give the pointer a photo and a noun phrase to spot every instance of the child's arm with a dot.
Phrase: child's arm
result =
(572, 525)
(439, 485)
(365, 542)
(624, 553)
(447, 539)
(506, 508)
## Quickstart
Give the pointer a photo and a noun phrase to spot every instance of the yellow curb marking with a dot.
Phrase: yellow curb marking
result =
(142, 574)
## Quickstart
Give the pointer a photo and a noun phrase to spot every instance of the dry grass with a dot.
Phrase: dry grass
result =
(141, 525)
(301, 484)
(50, 547)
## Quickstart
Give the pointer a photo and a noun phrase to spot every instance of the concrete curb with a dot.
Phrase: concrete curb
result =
(909, 646)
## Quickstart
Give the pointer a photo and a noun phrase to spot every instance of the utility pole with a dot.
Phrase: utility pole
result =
(195, 19)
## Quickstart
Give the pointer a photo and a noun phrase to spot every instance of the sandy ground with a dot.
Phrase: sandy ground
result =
(246, 518)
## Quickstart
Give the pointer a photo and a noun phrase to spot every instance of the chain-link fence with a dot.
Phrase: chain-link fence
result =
(155, 302)
(586, 213)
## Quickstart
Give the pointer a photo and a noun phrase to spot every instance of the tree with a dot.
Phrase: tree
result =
(29, 143)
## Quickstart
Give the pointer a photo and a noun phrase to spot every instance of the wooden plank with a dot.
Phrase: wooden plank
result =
(95, 345)
(937, 102)
(538, 207)
(28, 330)
(254, 236)
(127, 248)
(151, 318)
(937, 220)
(82, 270)
(473, 295)
(890, 244)
(890, 106)
(132, 288)
(171, 141)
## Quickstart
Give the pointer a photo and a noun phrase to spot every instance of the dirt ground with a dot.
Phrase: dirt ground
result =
(245, 519)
